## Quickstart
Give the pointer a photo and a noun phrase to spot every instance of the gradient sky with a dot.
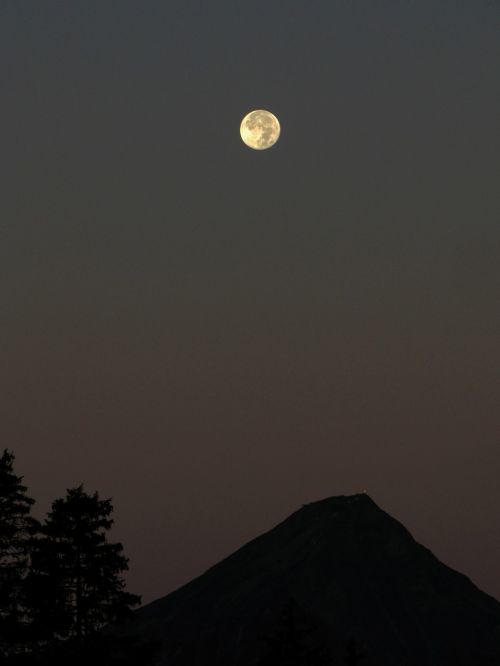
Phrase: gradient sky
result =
(213, 336)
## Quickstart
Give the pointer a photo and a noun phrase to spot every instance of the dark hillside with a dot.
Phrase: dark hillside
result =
(353, 571)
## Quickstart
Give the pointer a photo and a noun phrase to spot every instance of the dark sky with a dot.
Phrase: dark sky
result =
(213, 336)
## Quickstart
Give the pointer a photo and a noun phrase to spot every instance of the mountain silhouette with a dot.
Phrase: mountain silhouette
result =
(352, 571)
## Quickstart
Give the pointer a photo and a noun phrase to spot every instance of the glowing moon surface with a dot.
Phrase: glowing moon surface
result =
(260, 129)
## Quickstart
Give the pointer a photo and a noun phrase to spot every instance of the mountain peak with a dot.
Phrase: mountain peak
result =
(357, 502)
(350, 566)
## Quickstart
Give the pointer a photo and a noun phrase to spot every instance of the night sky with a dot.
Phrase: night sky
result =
(212, 335)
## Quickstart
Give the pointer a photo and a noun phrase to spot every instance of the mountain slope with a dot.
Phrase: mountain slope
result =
(353, 570)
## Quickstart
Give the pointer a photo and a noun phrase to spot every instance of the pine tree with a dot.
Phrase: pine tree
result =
(295, 641)
(354, 656)
(15, 524)
(76, 585)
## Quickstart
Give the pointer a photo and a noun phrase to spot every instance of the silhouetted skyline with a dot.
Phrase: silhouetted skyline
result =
(213, 336)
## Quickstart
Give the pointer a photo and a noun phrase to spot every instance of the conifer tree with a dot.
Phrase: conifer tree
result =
(15, 525)
(295, 641)
(354, 656)
(76, 584)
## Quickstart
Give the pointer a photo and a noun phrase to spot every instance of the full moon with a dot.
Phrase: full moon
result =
(260, 129)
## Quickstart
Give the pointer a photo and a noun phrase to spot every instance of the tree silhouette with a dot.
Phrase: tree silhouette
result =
(354, 656)
(15, 522)
(295, 641)
(76, 586)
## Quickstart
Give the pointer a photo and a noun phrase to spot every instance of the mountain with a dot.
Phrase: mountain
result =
(352, 571)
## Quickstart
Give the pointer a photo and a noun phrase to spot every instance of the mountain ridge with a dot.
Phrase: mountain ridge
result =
(353, 568)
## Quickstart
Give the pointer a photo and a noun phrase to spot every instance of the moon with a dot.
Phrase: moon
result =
(260, 129)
